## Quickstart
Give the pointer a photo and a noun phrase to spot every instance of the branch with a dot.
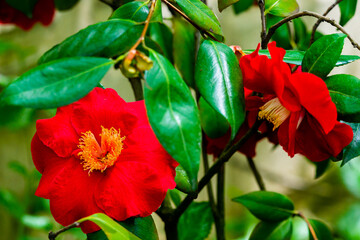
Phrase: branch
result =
(202, 31)
(273, 28)
(257, 175)
(53, 235)
(316, 25)
(216, 167)
(261, 4)
(137, 88)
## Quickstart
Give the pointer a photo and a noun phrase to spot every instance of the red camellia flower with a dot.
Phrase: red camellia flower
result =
(100, 154)
(297, 104)
(43, 12)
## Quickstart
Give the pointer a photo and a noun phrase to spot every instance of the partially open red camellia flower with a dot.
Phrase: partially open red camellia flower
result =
(100, 154)
(43, 12)
(297, 104)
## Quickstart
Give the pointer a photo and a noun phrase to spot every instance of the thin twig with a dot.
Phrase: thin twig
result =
(137, 88)
(53, 235)
(311, 229)
(261, 4)
(273, 28)
(202, 31)
(215, 168)
(256, 173)
(317, 24)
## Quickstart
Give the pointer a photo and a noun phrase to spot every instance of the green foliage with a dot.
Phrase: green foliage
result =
(353, 149)
(242, 6)
(273, 230)
(345, 93)
(281, 8)
(267, 206)
(63, 5)
(56, 83)
(321, 167)
(322, 232)
(350, 175)
(182, 180)
(173, 114)
(347, 10)
(136, 11)
(282, 36)
(196, 222)
(162, 35)
(323, 54)
(348, 224)
(222, 4)
(202, 16)
(24, 6)
(104, 39)
(219, 81)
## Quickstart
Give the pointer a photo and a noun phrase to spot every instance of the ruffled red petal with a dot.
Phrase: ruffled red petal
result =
(57, 133)
(102, 107)
(315, 98)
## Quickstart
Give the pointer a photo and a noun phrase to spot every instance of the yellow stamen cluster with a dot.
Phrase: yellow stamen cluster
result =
(274, 112)
(100, 157)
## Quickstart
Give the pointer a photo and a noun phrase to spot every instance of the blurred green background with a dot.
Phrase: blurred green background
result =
(334, 197)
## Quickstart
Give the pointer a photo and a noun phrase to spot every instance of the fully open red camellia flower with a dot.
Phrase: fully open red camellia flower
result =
(43, 12)
(100, 154)
(297, 104)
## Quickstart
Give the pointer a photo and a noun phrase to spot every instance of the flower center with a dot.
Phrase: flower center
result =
(100, 157)
(274, 112)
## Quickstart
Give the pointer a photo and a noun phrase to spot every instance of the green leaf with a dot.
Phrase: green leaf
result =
(173, 114)
(219, 81)
(63, 5)
(282, 35)
(14, 207)
(222, 4)
(24, 6)
(345, 93)
(321, 167)
(182, 180)
(321, 230)
(112, 229)
(175, 196)
(56, 83)
(352, 150)
(348, 224)
(202, 16)
(157, 15)
(196, 222)
(213, 123)
(350, 175)
(104, 39)
(267, 206)
(323, 54)
(242, 6)
(272, 230)
(136, 11)
(37, 222)
(347, 10)
(299, 30)
(162, 35)
(184, 38)
(281, 8)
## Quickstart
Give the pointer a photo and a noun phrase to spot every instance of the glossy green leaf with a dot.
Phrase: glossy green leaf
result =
(136, 11)
(323, 54)
(242, 6)
(182, 180)
(299, 30)
(296, 57)
(173, 114)
(321, 230)
(347, 10)
(272, 230)
(212, 122)
(56, 83)
(112, 229)
(321, 167)
(63, 5)
(345, 93)
(267, 206)
(162, 35)
(281, 8)
(157, 15)
(196, 222)
(222, 4)
(201, 14)
(24, 6)
(352, 150)
(219, 81)
(175, 196)
(184, 38)
(104, 39)
(282, 36)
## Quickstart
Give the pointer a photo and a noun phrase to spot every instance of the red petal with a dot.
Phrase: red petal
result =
(57, 133)
(130, 189)
(102, 107)
(315, 98)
